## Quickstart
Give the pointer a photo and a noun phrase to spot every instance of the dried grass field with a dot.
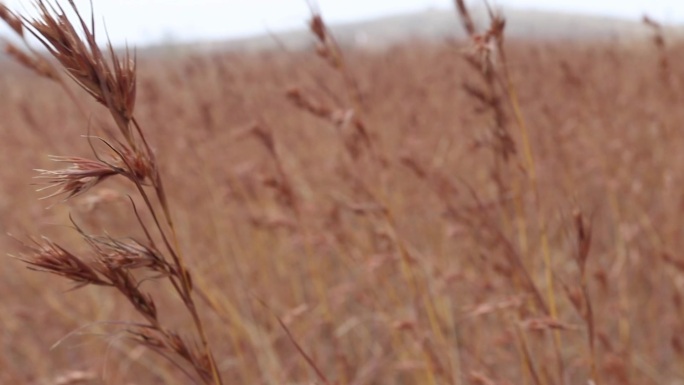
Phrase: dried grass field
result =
(402, 216)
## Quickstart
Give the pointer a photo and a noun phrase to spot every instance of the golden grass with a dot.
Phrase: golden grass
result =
(353, 213)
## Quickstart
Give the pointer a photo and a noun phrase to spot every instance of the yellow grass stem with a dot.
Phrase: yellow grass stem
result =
(532, 175)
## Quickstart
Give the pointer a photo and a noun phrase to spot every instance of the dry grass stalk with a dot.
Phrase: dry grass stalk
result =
(112, 262)
(347, 117)
(583, 233)
(37, 63)
(488, 58)
(365, 184)
(12, 20)
(481, 56)
(659, 42)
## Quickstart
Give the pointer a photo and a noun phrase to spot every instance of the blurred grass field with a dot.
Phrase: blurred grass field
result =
(420, 289)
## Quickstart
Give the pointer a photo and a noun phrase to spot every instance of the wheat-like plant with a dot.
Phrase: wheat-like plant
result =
(109, 78)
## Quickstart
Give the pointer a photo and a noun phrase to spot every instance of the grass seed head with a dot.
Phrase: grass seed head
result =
(81, 176)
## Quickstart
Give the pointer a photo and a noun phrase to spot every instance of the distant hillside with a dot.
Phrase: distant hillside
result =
(432, 25)
(439, 24)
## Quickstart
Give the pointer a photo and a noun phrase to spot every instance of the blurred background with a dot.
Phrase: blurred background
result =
(155, 22)
(415, 256)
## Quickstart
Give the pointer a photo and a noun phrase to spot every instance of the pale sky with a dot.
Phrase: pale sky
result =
(141, 22)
